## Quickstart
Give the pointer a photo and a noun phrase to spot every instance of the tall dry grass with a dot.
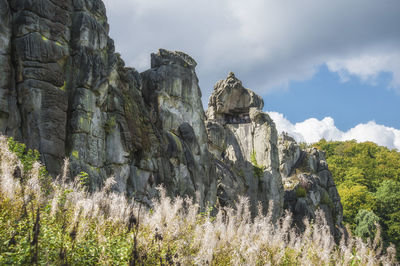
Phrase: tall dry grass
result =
(63, 224)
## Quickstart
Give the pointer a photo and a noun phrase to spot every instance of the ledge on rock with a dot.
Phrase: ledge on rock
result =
(231, 102)
(165, 57)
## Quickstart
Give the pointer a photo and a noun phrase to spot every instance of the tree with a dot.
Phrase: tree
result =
(354, 198)
(368, 178)
(388, 203)
(366, 224)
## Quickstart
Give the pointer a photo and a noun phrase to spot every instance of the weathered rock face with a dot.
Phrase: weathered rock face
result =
(171, 90)
(231, 102)
(243, 141)
(252, 161)
(309, 186)
(65, 92)
(39, 45)
(289, 154)
(9, 113)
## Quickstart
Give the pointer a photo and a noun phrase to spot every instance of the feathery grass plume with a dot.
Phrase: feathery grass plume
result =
(33, 184)
(65, 171)
(9, 163)
(105, 228)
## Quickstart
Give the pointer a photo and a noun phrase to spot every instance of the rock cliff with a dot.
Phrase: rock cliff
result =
(65, 92)
(243, 141)
(308, 185)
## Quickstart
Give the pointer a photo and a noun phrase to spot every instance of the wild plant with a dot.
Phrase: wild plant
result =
(65, 224)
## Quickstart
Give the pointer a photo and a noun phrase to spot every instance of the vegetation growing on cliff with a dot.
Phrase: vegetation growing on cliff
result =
(69, 226)
(258, 170)
(368, 181)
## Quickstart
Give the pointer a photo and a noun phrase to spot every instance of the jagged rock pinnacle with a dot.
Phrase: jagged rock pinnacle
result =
(231, 98)
(165, 57)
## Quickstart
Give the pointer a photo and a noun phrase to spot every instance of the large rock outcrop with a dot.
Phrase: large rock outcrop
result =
(171, 90)
(309, 186)
(9, 113)
(65, 92)
(231, 102)
(243, 141)
(253, 161)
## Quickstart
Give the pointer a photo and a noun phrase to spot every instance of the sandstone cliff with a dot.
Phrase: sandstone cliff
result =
(65, 92)
(253, 160)
(243, 141)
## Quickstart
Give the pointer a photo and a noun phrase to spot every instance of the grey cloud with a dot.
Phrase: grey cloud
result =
(267, 43)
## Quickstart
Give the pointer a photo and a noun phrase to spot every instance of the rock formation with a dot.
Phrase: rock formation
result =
(243, 141)
(231, 102)
(170, 88)
(252, 160)
(65, 92)
(309, 185)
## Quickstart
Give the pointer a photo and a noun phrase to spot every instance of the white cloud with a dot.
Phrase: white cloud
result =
(312, 130)
(268, 43)
(382, 135)
(368, 67)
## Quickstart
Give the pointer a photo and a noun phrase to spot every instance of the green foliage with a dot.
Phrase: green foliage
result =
(366, 224)
(301, 192)
(70, 226)
(367, 176)
(84, 179)
(110, 125)
(354, 198)
(75, 154)
(27, 157)
(362, 163)
(325, 199)
(388, 209)
(258, 170)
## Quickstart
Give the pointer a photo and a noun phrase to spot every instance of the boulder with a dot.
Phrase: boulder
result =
(231, 102)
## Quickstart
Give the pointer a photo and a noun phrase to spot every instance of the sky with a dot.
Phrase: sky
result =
(325, 69)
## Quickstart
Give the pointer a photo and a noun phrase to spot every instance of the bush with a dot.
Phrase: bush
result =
(27, 157)
(367, 222)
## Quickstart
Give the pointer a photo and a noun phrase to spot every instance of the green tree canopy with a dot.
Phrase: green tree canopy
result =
(368, 181)
(366, 224)
(388, 207)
